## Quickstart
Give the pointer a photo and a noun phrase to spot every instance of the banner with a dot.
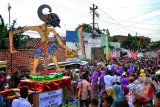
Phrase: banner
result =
(70, 54)
(82, 45)
(50, 99)
(107, 50)
(76, 38)
(94, 43)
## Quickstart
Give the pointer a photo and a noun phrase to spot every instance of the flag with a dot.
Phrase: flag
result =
(107, 50)
(82, 45)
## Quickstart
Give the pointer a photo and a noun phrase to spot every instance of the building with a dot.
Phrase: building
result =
(118, 38)
(94, 48)
(121, 38)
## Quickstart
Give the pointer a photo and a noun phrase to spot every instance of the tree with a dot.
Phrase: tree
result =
(114, 39)
(130, 43)
(88, 28)
(18, 39)
(136, 43)
(3, 34)
(156, 45)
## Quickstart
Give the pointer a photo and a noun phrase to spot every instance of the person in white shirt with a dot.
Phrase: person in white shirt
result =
(108, 80)
(22, 101)
(117, 78)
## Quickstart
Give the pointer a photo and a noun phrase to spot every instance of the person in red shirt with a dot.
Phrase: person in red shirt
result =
(84, 91)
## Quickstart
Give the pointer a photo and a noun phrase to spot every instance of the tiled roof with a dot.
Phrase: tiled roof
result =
(33, 41)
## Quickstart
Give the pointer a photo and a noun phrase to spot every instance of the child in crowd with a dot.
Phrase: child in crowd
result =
(108, 100)
(94, 103)
(121, 103)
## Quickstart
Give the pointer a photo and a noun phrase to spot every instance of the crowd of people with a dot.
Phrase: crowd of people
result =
(8, 81)
(122, 82)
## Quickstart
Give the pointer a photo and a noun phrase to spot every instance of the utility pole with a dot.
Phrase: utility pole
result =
(9, 8)
(93, 32)
(93, 11)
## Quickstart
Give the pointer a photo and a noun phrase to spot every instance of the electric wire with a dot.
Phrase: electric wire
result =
(118, 24)
(86, 3)
(132, 22)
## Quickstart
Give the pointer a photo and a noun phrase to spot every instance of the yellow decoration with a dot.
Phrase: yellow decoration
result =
(142, 73)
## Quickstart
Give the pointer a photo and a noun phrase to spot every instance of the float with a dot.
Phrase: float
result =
(49, 87)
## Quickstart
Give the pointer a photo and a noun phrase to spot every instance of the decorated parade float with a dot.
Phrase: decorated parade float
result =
(46, 90)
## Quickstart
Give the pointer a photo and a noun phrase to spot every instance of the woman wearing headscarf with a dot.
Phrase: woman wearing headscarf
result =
(101, 83)
(111, 92)
(94, 86)
(125, 82)
(130, 70)
(119, 91)
(113, 68)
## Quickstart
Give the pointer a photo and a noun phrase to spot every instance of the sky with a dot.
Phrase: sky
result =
(121, 17)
